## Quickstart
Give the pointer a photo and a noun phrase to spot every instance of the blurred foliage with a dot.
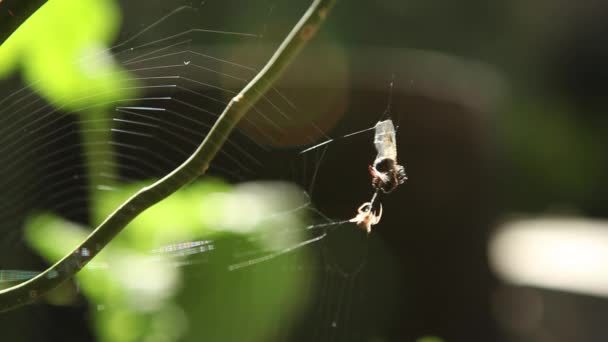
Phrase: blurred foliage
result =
(430, 339)
(553, 152)
(178, 218)
(70, 59)
(141, 296)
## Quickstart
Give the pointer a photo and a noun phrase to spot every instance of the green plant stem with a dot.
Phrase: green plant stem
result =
(13, 13)
(192, 168)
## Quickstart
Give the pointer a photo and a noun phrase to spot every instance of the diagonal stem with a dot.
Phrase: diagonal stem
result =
(192, 168)
(13, 13)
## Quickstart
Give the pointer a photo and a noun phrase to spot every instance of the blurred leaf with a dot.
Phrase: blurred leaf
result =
(553, 151)
(175, 219)
(41, 227)
(145, 296)
(63, 51)
(429, 339)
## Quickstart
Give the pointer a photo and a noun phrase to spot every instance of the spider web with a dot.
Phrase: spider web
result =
(184, 62)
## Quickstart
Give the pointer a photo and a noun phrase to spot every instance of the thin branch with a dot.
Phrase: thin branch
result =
(13, 13)
(192, 168)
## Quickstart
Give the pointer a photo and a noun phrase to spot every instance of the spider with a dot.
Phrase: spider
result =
(366, 218)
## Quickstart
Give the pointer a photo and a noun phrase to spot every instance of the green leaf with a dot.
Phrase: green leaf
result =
(62, 49)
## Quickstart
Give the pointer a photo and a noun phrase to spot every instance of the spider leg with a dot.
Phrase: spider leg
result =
(367, 206)
(379, 216)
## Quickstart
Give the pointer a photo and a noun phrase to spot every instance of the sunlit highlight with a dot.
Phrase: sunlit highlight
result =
(556, 253)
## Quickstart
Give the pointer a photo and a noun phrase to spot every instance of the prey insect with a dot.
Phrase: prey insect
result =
(386, 173)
